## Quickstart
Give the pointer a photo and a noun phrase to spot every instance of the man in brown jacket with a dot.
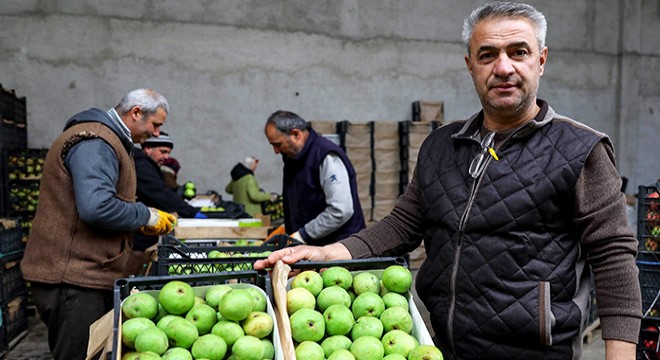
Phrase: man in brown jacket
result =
(80, 241)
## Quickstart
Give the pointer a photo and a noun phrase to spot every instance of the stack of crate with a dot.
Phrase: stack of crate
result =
(13, 120)
(648, 261)
(13, 290)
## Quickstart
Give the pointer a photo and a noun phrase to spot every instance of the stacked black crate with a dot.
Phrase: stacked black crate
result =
(648, 261)
(13, 134)
(13, 290)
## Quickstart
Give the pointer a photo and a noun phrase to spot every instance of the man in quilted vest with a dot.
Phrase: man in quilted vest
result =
(80, 241)
(515, 206)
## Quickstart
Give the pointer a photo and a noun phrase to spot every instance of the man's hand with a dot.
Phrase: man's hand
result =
(160, 223)
(294, 254)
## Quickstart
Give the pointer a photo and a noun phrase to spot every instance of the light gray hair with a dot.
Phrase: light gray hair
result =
(286, 121)
(149, 100)
(500, 9)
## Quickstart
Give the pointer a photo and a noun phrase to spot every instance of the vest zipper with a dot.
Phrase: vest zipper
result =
(457, 256)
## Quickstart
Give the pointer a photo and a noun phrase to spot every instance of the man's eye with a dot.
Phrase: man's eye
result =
(520, 53)
(486, 56)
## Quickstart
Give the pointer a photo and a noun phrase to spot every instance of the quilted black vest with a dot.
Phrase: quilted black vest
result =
(504, 276)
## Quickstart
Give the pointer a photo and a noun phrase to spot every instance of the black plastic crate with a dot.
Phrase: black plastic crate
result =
(648, 217)
(179, 258)
(124, 286)
(352, 265)
(648, 347)
(11, 237)
(14, 321)
(649, 280)
(11, 277)
(274, 208)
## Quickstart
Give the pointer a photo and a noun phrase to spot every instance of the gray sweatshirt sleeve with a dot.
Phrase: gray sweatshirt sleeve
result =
(337, 189)
(94, 168)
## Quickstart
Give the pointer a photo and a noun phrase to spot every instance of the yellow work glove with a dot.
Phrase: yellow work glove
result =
(160, 223)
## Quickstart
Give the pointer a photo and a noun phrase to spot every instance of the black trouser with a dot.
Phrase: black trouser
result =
(68, 311)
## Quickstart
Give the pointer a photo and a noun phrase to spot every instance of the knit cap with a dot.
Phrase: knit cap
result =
(157, 141)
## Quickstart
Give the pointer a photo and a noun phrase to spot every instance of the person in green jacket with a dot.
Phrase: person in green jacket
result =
(244, 187)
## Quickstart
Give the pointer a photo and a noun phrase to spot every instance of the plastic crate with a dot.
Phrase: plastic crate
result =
(14, 321)
(11, 237)
(123, 288)
(11, 278)
(648, 218)
(648, 347)
(179, 258)
(274, 208)
(649, 280)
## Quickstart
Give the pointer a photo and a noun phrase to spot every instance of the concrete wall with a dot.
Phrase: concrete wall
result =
(226, 65)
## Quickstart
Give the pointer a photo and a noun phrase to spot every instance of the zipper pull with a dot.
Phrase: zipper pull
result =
(492, 153)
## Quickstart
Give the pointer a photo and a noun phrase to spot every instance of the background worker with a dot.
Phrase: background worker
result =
(80, 241)
(244, 188)
(515, 205)
(151, 188)
(321, 203)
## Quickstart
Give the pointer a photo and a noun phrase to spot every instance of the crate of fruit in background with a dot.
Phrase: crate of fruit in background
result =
(11, 234)
(648, 214)
(176, 257)
(20, 183)
(274, 208)
(350, 309)
(211, 316)
(14, 324)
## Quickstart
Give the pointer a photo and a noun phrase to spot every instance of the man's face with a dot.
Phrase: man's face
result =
(506, 65)
(289, 145)
(158, 154)
(143, 127)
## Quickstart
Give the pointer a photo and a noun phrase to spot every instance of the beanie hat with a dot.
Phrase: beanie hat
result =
(157, 141)
(249, 161)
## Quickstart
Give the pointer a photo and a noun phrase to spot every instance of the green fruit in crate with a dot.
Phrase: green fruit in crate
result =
(147, 355)
(132, 327)
(342, 354)
(236, 305)
(248, 348)
(332, 295)
(338, 276)
(181, 333)
(309, 350)
(209, 346)
(398, 342)
(203, 316)
(162, 323)
(339, 320)
(425, 352)
(368, 304)
(367, 326)
(258, 324)
(310, 280)
(199, 300)
(307, 325)
(394, 357)
(177, 353)
(655, 232)
(230, 331)
(152, 339)
(395, 299)
(396, 318)
(366, 282)
(177, 297)
(299, 298)
(259, 299)
(397, 278)
(140, 305)
(334, 343)
(269, 349)
(367, 348)
(215, 293)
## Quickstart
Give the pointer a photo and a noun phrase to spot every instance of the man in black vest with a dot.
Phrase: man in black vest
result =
(514, 205)
(321, 203)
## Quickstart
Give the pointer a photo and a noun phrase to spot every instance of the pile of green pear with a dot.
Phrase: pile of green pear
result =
(227, 322)
(336, 315)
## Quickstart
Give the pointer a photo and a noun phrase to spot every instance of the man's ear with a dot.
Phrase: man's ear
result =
(136, 113)
(468, 64)
(296, 134)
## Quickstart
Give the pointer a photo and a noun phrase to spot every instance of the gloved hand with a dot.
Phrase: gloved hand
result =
(200, 215)
(160, 223)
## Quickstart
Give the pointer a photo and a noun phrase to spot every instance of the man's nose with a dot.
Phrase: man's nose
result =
(503, 66)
